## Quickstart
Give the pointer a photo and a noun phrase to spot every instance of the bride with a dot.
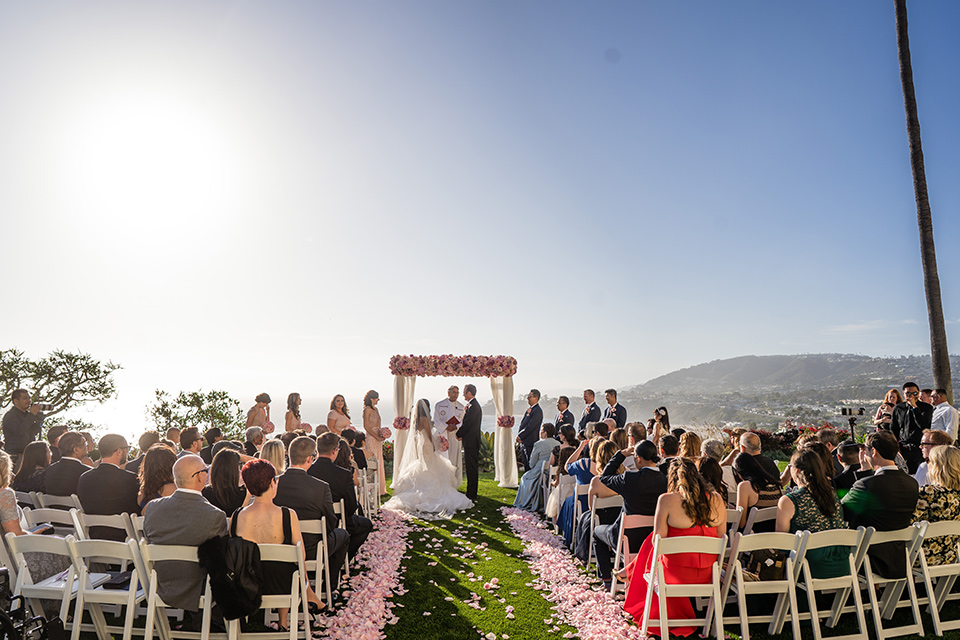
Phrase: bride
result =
(425, 482)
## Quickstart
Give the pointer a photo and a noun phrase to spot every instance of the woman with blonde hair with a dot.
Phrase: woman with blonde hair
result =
(601, 454)
(275, 453)
(690, 446)
(583, 469)
(940, 500)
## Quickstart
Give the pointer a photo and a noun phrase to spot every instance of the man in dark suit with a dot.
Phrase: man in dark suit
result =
(469, 436)
(640, 490)
(529, 431)
(109, 490)
(750, 445)
(669, 448)
(62, 476)
(341, 485)
(145, 441)
(183, 518)
(848, 454)
(591, 412)
(312, 500)
(831, 441)
(564, 415)
(614, 409)
(885, 501)
(213, 435)
(909, 419)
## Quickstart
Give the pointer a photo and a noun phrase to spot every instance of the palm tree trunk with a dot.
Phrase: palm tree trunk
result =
(931, 281)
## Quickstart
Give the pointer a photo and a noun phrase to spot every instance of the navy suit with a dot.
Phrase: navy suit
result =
(564, 418)
(618, 412)
(341, 485)
(108, 490)
(529, 431)
(591, 413)
(62, 477)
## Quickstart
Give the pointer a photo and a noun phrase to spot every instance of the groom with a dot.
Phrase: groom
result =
(469, 436)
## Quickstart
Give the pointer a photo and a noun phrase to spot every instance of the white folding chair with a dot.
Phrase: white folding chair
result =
(91, 594)
(62, 521)
(733, 519)
(938, 579)
(597, 503)
(623, 545)
(756, 516)
(50, 501)
(149, 556)
(137, 523)
(580, 490)
(83, 521)
(60, 587)
(547, 474)
(321, 564)
(27, 499)
(656, 583)
(567, 486)
(785, 588)
(295, 600)
(842, 586)
(912, 538)
(340, 510)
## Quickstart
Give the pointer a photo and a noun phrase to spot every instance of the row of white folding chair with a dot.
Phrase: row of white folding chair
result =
(584, 491)
(566, 486)
(28, 499)
(939, 579)
(597, 503)
(547, 476)
(50, 501)
(372, 488)
(755, 516)
(634, 521)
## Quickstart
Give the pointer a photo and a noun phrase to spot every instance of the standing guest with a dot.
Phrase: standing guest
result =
(931, 438)
(53, 437)
(885, 501)
(939, 501)
(62, 476)
(156, 475)
(225, 491)
(530, 425)
(614, 409)
(831, 441)
(144, 442)
(275, 453)
(848, 453)
(291, 420)
(338, 418)
(211, 436)
(33, 468)
(447, 418)
(109, 489)
(254, 441)
(640, 490)
(885, 411)
(661, 423)
(814, 506)
(375, 439)
(669, 448)
(184, 518)
(945, 417)
(713, 448)
(564, 415)
(173, 435)
(910, 418)
(757, 488)
(190, 442)
(926, 395)
(690, 446)
(469, 436)
(591, 412)
(529, 495)
(341, 486)
(21, 424)
(259, 413)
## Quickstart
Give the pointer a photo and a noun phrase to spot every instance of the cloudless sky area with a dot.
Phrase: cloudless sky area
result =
(279, 196)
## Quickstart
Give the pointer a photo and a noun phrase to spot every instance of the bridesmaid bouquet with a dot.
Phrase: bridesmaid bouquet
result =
(505, 421)
(444, 444)
(385, 433)
(401, 423)
(268, 427)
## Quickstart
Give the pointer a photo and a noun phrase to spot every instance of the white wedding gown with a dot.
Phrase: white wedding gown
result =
(426, 486)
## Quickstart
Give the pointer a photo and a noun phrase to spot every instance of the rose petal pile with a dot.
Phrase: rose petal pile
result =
(505, 421)
(454, 366)
(593, 612)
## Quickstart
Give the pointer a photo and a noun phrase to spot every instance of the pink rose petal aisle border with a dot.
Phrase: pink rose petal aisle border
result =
(368, 610)
(593, 612)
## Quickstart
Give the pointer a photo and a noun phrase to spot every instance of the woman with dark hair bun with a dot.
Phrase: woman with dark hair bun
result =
(33, 467)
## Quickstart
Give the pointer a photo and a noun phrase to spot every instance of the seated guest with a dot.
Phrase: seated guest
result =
(814, 506)
(109, 489)
(211, 436)
(931, 438)
(690, 446)
(688, 508)
(254, 440)
(940, 500)
(529, 495)
(885, 501)
(53, 439)
(183, 518)
(568, 438)
(62, 476)
(640, 490)
(344, 460)
(190, 442)
(359, 455)
(341, 485)
(173, 435)
(275, 453)
(669, 448)
(583, 469)
(92, 459)
(33, 468)
(712, 474)
(156, 474)
(621, 439)
(312, 500)
(145, 441)
(264, 522)
(559, 458)
(848, 454)
(756, 489)
(605, 451)
(713, 448)
(831, 441)
(225, 491)
(750, 444)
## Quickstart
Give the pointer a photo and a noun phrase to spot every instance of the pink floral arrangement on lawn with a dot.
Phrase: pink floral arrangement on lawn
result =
(594, 612)
(444, 444)
(401, 423)
(454, 366)
(385, 432)
(505, 421)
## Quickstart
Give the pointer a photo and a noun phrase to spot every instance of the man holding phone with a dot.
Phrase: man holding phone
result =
(21, 424)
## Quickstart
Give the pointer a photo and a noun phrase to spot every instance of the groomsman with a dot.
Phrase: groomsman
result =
(447, 418)
(529, 431)
(564, 416)
(591, 412)
(615, 410)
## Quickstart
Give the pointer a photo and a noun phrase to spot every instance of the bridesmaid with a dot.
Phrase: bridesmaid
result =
(339, 417)
(374, 442)
(291, 422)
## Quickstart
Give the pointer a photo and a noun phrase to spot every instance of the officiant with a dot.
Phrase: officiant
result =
(447, 417)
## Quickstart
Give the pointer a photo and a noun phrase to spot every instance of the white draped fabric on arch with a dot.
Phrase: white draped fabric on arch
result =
(500, 370)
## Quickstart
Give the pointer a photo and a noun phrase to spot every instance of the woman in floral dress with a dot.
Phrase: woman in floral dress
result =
(940, 500)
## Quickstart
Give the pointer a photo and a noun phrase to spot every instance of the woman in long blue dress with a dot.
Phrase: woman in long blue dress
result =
(583, 469)
(529, 495)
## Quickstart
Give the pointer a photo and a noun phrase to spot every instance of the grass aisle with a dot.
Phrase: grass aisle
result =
(449, 562)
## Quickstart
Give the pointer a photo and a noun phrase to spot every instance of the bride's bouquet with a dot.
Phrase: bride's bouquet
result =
(385, 432)
(444, 444)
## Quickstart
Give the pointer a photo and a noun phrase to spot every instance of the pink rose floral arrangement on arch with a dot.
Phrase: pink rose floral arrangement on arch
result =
(401, 423)
(454, 366)
(505, 421)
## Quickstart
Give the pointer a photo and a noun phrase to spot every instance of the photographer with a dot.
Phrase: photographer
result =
(21, 424)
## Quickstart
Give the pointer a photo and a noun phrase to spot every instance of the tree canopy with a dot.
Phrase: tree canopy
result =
(62, 378)
(197, 409)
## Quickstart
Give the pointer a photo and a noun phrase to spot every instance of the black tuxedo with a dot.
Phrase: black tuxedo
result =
(469, 434)
(62, 476)
(108, 490)
(908, 423)
(530, 425)
(341, 485)
(591, 413)
(885, 501)
(134, 465)
(843, 481)
(618, 412)
(664, 466)
(311, 499)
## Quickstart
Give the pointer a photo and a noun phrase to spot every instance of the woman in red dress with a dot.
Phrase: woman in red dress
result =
(689, 508)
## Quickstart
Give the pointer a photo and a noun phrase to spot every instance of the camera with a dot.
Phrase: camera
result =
(844, 411)
(43, 406)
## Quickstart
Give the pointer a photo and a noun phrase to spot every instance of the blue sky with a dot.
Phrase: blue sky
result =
(280, 196)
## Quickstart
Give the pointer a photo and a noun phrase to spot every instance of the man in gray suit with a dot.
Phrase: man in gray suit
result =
(183, 518)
